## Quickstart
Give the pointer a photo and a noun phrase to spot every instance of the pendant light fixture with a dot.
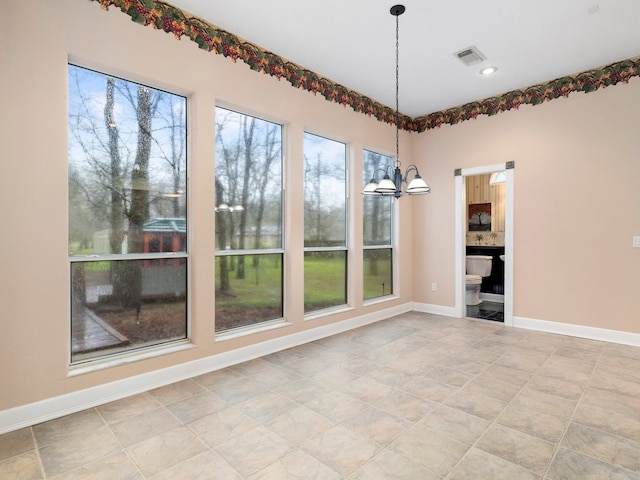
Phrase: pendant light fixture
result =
(391, 182)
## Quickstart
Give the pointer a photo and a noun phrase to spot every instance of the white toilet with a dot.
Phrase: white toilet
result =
(478, 266)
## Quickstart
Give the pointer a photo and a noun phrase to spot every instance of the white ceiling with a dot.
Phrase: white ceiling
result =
(352, 42)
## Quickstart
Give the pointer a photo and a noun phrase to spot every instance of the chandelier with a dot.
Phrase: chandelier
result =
(392, 181)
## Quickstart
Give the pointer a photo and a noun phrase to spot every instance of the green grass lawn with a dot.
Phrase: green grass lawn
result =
(324, 277)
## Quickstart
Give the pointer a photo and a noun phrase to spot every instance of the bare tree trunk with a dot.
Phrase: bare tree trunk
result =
(248, 135)
(221, 228)
(139, 212)
(117, 213)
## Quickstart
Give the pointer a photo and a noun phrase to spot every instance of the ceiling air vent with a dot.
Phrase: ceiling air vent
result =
(470, 56)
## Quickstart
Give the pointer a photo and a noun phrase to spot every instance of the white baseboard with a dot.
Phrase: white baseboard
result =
(435, 309)
(41, 411)
(492, 297)
(581, 331)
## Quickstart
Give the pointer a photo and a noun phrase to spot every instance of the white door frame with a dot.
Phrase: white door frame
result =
(461, 236)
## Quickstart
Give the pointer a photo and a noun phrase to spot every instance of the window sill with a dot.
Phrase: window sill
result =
(375, 301)
(328, 311)
(124, 359)
(250, 330)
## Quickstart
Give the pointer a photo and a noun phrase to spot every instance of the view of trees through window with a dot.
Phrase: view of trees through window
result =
(249, 242)
(378, 221)
(325, 223)
(127, 215)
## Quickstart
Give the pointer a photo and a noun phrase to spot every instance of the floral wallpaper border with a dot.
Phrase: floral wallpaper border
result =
(164, 16)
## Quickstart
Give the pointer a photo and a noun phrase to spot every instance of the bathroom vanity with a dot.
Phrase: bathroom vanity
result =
(494, 283)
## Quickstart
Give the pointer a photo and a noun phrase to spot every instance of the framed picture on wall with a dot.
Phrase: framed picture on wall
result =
(479, 217)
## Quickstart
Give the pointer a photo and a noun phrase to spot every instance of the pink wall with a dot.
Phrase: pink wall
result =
(577, 206)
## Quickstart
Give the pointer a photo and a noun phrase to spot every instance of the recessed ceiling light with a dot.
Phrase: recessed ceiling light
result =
(488, 70)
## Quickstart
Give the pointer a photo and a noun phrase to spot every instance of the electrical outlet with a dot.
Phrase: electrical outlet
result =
(636, 242)
(434, 287)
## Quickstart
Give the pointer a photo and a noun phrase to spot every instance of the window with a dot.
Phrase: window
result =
(325, 223)
(127, 215)
(249, 218)
(378, 219)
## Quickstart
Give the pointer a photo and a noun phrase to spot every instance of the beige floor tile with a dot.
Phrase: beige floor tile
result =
(128, 407)
(333, 377)
(253, 450)
(390, 376)
(144, 426)
(509, 375)
(275, 377)
(541, 425)
(476, 404)
(414, 363)
(265, 407)
(616, 401)
(297, 465)
(219, 379)
(163, 451)
(556, 386)
(429, 449)
(536, 401)
(25, 466)
(568, 464)
(429, 389)
(407, 406)
(306, 389)
(377, 425)
(416, 396)
(492, 388)
(306, 366)
(358, 365)
(367, 390)
(466, 365)
(16, 442)
(207, 465)
(238, 390)
(480, 465)
(487, 346)
(218, 427)
(603, 446)
(341, 449)
(300, 425)
(449, 376)
(568, 373)
(480, 356)
(607, 382)
(117, 466)
(388, 465)
(75, 451)
(627, 366)
(176, 391)
(608, 420)
(336, 406)
(516, 447)
(459, 425)
(283, 357)
(619, 350)
(192, 408)
(257, 366)
(527, 361)
(59, 429)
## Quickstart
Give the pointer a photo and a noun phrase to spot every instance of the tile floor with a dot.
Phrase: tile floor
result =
(487, 311)
(416, 396)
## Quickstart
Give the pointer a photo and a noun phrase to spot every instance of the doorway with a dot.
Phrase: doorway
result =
(462, 176)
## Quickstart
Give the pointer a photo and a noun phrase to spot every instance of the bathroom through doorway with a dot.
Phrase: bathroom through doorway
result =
(484, 242)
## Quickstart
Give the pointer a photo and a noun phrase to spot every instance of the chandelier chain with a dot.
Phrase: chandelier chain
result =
(397, 162)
